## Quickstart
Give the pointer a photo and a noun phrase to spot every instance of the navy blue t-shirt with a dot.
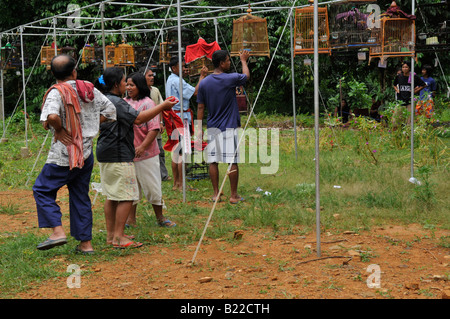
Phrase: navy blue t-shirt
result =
(218, 93)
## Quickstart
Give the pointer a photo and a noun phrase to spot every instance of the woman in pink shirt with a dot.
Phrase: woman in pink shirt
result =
(147, 151)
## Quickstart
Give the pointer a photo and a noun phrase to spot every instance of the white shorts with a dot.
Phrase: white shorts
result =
(222, 146)
(119, 181)
(149, 180)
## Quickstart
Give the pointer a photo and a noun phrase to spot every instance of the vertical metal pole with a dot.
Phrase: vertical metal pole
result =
(293, 84)
(54, 36)
(316, 121)
(180, 74)
(2, 100)
(24, 88)
(412, 97)
(216, 29)
(102, 13)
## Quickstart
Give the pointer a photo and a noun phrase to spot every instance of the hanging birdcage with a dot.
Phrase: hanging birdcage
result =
(250, 33)
(88, 54)
(6, 53)
(396, 39)
(47, 54)
(110, 52)
(124, 55)
(304, 31)
(199, 55)
(196, 66)
(164, 56)
(352, 26)
(142, 55)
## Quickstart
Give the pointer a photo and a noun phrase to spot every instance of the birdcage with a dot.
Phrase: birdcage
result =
(250, 33)
(352, 25)
(110, 52)
(304, 31)
(47, 54)
(396, 39)
(88, 54)
(124, 55)
(196, 66)
(11, 56)
(164, 56)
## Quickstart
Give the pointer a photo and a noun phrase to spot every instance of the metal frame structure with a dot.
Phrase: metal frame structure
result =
(209, 14)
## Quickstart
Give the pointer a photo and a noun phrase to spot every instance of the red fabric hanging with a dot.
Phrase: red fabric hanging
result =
(200, 49)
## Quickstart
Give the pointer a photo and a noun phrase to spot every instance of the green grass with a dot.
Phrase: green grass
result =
(369, 195)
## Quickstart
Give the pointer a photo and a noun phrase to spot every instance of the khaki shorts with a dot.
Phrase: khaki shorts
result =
(149, 180)
(119, 181)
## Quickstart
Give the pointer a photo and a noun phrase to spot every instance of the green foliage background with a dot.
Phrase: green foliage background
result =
(276, 95)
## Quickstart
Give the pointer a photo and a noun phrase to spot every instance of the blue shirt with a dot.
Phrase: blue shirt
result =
(218, 93)
(173, 89)
(425, 93)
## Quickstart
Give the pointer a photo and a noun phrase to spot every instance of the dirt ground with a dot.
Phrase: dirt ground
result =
(407, 260)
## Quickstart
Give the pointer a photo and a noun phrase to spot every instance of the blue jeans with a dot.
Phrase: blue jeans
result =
(49, 181)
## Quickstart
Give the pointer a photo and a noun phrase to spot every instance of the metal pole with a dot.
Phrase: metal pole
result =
(54, 36)
(102, 13)
(2, 100)
(412, 100)
(24, 88)
(180, 74)
(216, 30)
(316, 121)
(293, 84)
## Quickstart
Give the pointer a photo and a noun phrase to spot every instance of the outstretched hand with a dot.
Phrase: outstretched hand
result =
(244, 55)
(170, 102)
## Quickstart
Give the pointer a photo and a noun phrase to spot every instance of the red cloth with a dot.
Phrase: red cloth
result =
(85, 90)
(173, 122)
(200, 49)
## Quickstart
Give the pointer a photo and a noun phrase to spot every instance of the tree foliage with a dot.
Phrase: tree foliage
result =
(275, 93)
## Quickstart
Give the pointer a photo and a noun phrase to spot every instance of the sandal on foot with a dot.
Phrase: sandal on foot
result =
(50, 243)
(131, 244)
(84, 252)
(237, 202)
(167, 223)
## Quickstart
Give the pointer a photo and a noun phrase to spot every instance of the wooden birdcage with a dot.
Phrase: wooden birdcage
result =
(304, 31)
(110, 52)
(164, 56)
(88, 54)
(250, 33)
(11, 57)
(395, 39)
(352, 26)
(47, 54)
(124, 55)
(196, 65)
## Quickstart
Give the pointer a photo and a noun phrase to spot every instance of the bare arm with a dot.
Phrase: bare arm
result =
(146, 142)
(147, 115)
(244, 55)
(203, 74)
(61, 134)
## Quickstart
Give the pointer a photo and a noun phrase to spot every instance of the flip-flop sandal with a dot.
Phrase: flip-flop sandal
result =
(167, 223)
(84, 252)
(240, 200)
(131, 244)
(50, 243)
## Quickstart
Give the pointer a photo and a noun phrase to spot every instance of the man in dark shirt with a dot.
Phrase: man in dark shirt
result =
(217, 93)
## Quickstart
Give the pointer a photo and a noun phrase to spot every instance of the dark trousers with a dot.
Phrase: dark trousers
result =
(49, 181)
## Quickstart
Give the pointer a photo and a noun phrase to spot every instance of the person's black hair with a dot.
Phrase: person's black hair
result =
(62, 70)
(408, 63)
(141, 84)
(112, 76)
(173, 61)
(219, 56)
(428, 68)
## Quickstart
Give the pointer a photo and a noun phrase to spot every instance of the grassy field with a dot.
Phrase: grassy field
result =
(364, 173)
